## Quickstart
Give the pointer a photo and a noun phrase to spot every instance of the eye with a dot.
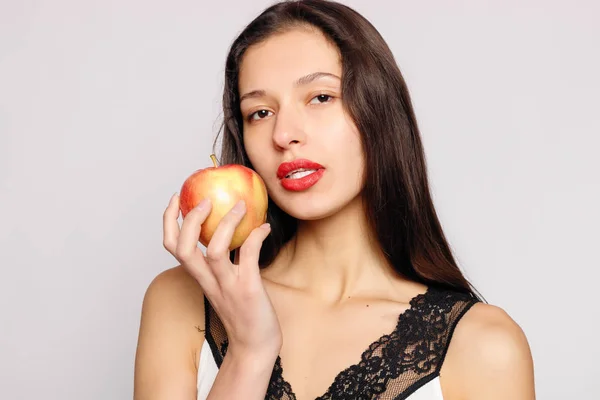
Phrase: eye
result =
(260, 114)
(322, 98)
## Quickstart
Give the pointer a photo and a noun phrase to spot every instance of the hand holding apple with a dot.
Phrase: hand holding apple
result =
(225, 185)
(234, 288)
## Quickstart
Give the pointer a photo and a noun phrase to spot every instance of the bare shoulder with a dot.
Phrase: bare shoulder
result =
(176, 285)
(171, 334)
(488, 358)
(175, 295)
(489, 334)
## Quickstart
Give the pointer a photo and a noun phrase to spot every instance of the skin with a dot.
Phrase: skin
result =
(326, 279)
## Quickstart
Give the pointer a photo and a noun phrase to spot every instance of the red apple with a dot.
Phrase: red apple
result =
(225, 185)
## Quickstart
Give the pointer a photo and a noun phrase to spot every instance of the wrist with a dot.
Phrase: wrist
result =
(255, 359)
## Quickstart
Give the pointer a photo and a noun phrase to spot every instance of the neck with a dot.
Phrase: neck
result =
(335, 258)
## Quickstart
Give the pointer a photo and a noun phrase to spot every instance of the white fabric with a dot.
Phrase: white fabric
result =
(432, 390)
(207, 372)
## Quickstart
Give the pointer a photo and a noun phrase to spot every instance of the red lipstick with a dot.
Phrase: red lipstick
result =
(299, 174)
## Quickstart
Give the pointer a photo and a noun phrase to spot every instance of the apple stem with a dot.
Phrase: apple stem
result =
(214, 160)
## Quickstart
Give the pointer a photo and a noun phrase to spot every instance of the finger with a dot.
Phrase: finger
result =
(187, 245)
(187, 251)
(217, 252)
(170, 225)
(250, 251)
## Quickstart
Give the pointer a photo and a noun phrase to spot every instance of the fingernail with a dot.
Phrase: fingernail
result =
(266, 226)
(239, 206)
(203, 203)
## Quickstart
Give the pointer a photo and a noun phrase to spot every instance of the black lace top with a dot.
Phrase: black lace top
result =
(392, 367)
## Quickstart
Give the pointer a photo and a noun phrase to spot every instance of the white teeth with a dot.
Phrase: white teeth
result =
(300, 173)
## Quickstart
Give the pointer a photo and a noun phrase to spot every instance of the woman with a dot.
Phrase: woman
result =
(351, 291)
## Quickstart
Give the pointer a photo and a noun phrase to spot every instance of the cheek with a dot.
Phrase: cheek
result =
(345, 142)
(354, 162)
(252, 147)
(351, 156)
(255, 149)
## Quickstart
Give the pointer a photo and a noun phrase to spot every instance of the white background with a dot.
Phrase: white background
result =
(107, 106)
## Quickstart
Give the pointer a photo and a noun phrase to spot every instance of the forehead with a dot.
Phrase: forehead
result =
(283, 58)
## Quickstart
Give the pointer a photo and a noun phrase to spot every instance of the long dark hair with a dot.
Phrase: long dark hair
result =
(396, 191)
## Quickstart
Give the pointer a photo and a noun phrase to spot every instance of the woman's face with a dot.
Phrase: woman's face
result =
(290, 91)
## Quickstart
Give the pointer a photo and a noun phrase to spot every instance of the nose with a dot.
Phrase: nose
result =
(288, 129)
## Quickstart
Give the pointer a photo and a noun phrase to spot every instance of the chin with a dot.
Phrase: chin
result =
(310, 214)
(312, 208)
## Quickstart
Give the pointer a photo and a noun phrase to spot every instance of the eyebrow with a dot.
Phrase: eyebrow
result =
(305, 80)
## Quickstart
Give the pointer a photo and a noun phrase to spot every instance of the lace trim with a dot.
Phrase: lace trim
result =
(396, 364)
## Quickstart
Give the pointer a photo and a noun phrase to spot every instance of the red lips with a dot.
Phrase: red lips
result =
(299, 184)
(301, 163)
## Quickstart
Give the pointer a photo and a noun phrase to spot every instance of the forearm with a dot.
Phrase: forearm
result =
(242, 378)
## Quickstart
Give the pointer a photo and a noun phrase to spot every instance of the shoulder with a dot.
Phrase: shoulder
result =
(173, 294)
(170, 336)
(173, 312)
(488, 357)
(488, 335)
(173, 280)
